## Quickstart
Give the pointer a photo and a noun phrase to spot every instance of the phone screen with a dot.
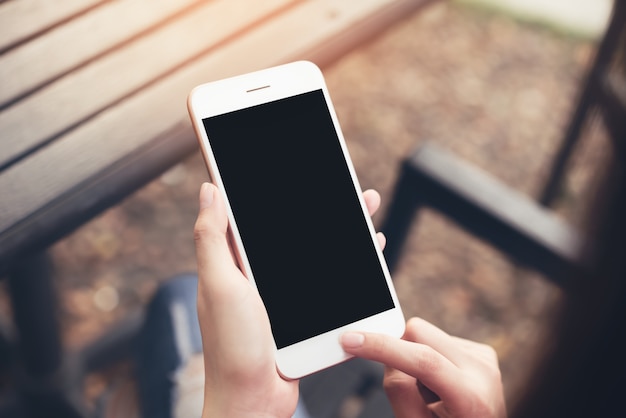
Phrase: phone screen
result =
(298, 216)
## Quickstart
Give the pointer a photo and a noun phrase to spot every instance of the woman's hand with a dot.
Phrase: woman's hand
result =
(240, 371)
(432, 374)
(239, 353)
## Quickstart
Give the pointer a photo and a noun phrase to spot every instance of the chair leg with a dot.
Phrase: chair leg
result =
(402, 210)
(587, 100)
(42, 378)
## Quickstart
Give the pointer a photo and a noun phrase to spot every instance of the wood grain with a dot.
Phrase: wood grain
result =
(23, 19)
(78, 127)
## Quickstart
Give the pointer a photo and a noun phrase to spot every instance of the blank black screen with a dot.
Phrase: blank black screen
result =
(298, 215)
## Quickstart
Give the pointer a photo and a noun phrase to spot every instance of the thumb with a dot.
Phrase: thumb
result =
(212, 249)
(212, 221)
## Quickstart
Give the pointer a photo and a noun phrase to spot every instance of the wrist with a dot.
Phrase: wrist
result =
(216, 406)
(215, 411)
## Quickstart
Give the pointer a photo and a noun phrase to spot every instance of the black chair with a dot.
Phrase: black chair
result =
(523, 228)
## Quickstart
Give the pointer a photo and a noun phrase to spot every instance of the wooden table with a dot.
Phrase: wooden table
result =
(92, 107)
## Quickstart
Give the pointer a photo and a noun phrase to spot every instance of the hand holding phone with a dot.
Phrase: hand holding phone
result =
(239, 352)
(240, 364)
(270, 140)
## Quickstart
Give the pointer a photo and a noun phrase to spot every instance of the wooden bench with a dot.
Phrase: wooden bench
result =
(92, 107)
(93, 92)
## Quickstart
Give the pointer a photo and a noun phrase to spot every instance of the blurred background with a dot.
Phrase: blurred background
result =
(492, 81)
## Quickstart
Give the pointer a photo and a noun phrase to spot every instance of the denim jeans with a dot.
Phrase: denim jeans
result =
(169, 339)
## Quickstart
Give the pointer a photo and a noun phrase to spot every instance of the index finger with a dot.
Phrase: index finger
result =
(421, 361)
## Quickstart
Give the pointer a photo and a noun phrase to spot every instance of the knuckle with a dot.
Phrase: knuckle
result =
(396, 385)
(199, 231)
(487, 350)
(482, 408)
(483, 398)
(492, 356)
(488, 357)
(202, 229)
(427, 360)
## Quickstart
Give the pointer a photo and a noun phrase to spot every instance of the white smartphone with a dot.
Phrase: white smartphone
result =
(300, 227)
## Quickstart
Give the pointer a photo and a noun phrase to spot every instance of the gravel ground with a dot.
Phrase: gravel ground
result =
(494, 91)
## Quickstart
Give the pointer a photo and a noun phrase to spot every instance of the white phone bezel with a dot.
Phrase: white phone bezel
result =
(253, 89)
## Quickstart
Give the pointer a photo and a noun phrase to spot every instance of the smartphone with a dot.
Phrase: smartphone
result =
(301, 231)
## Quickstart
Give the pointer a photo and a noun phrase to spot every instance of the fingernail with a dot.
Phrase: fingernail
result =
(206, 195)
(352, 340)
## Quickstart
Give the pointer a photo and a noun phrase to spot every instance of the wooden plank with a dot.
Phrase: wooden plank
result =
(319, 29)
(83, 93)
(46, 58)
(368, 25)
(23, 19)
(158, 108)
